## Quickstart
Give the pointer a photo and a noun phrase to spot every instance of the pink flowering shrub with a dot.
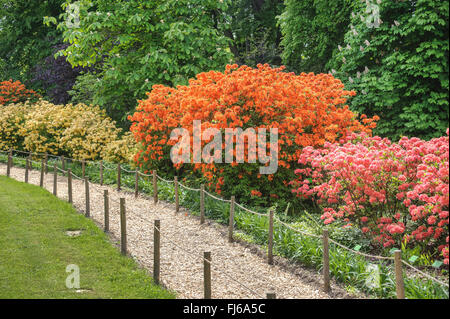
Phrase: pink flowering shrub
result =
(393, 191)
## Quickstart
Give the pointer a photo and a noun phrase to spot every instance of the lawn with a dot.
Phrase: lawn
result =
(35, 251)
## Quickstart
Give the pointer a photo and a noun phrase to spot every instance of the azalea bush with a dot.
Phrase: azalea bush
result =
(394, 192)
(12, 118)
(76, 131)
(120, 150)
(307, 110)
(15, 92)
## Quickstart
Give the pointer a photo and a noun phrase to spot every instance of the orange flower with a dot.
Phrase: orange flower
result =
(307, 110)
(254, 192)
(13, 92)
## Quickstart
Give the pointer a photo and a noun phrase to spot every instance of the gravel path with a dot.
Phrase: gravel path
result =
(237, 271)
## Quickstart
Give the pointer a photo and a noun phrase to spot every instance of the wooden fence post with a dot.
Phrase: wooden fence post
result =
(326, 262)
(27, 167)
(231, 220)
(177, 200)
(106, 210)
(271, 295)
(155, 187)
(69, 185)
(136, 183)
(101, 173)
(118, 176)
(207, 274)
(399, 284)
(63, 164)
(41, 182)
(9, 164)
(55, 181)
(202, 204)
(156, 251)
(46, 163)
(83, 168)
(88, 204)
(123, 227)
(270, 241)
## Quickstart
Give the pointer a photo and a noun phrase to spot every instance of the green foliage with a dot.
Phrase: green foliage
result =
(83, 91)
(252, 27)
(137, 44)
(25, 40)
(311, 30)
(406, 81)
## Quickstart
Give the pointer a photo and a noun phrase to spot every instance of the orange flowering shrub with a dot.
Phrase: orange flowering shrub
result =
(15, 92)
(307, 109)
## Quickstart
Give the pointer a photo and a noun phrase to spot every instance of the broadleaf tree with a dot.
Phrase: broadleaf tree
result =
(136, 44)
(252, 27)
(399, 65)
(24, 39)
(311, 31)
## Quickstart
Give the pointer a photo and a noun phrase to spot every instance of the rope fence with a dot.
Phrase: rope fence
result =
(187, 252)
(397, 259)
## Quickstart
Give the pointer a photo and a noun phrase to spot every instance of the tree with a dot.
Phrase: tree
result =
(137, 44)
(25, 40)
(398, 64)
(311, 30)
(56, 76)
(252, 27)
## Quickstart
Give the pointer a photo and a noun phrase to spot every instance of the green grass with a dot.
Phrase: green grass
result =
(35, 251)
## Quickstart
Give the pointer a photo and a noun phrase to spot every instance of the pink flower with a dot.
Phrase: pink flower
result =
(431, 220)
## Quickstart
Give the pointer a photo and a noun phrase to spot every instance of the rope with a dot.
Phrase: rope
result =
(250, 211)
(333, 241)
(108, 168)
(188, 188)
(61, 170)
(425, 274)
(164, 180)
(145, 174)
(123, 169)
(77, 177)
(23, 152)
(36, 162)
(360, 253)
(191, 254)
(217, 198)
(296, 230)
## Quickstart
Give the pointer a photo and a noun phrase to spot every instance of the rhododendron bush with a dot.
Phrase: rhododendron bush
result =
(15, 92)
(395, 192)
(307, 110)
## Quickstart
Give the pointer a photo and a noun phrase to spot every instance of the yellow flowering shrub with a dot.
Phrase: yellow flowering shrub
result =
(76, 131)
(121, 150)
(12, 118)
(44, 127)
(89, 133)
